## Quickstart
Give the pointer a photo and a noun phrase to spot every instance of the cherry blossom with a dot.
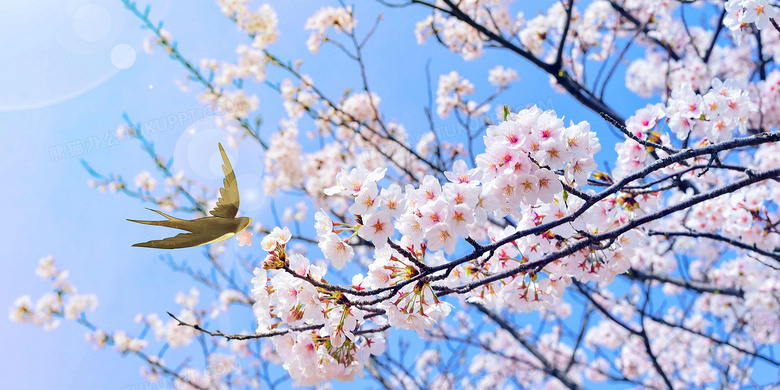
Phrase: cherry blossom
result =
(244, 238)
(377, 228)
(545, 261)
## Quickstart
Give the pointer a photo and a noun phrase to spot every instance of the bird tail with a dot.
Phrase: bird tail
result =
(164, 215)
(172, 222)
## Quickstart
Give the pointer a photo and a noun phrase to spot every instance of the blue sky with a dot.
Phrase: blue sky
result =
(60, 86)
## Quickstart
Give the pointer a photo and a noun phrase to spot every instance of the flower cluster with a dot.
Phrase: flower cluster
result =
(450, 94)
(251, 62)
(283, 160)
(742, 12)
(525, 152)
(283, 294)
(64, 302)
(462, 38)
(528, 157)
(502, 77)
(262, 25)
(707, 118)
(416, 222)
(145, 182)
(737, 216)
(340, 18)
(714, 115)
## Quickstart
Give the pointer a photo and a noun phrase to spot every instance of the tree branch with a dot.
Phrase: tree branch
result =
(548, 365)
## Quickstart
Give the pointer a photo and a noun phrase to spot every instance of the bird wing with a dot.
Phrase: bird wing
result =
(227, 204)
(182, 240)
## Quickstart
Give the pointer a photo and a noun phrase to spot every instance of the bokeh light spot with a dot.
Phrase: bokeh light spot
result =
(123, 56)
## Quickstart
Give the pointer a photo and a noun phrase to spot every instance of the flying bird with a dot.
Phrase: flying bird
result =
(221, 226)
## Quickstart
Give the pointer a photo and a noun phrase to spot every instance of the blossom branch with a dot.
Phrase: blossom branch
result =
(174, 52)
(595, 239)
(693, 285)
(548, 366)
(712, 236)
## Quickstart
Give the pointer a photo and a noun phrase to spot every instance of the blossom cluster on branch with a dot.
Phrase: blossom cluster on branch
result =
(508, 248)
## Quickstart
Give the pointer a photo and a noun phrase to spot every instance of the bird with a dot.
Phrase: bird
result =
(222, 225)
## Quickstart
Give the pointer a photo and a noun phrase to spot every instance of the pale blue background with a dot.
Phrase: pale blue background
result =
(50, 210)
